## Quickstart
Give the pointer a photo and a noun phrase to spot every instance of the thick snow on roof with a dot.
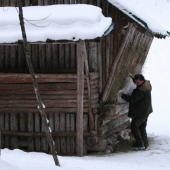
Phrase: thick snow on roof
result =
(56, 22)
(136, 13)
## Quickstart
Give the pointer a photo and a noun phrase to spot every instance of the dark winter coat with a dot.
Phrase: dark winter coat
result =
(140, 104)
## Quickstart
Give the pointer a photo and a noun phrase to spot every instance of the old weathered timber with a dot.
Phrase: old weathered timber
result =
(91, 121)
(40, 104)
(109, 82)
(80, 92)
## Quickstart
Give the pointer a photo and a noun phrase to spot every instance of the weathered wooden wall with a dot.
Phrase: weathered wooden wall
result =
(25, 131)
(101, 55)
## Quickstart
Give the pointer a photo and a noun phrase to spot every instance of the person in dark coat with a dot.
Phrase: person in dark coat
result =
(140, 106)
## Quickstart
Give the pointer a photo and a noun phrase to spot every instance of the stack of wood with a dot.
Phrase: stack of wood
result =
(113, 120)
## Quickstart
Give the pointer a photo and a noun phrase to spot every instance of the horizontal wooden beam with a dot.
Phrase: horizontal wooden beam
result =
(42, 134)
(37, 71)
(48, 105)
(15, 75)
(24, 80)
(47, 86)
(35, 110)
(44, 97)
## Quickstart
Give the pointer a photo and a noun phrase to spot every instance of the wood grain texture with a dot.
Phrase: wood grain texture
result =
(80, 92)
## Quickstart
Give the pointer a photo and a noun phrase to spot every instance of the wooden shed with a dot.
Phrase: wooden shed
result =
(110, 59)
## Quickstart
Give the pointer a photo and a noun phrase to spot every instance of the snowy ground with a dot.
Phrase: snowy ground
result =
(157, 70)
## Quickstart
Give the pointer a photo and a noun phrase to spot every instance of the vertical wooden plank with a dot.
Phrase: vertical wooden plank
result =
(48, 56)
(63, 129)
(5, 3)
(27, 2)
(22, 122)
(80, 92)
(77, 1)
(29, 49)
(13, 61)
(34, 2)
(84, 55)
(111, 40)
(68, 147)
(2, 56)
(21, 57)
(108, 47)
(44, 144)
(104, 49)
(37, 129)
(30, 129)
(47, 2)
(40, 2)
(67, 56)
(2, 128)
(60, 1)
(99, 59)
(42, 59)
(93, 56)
(116, 43)
(85, 129)
(7, 144)
(55, 56)
(72, 1)
(99, 4)
(99, 54)
(57, 129)
(85, 123)
(22, 128)
(51, 122)
(66, 1)
(34, 55)
(7, 56)
(72, 128)
(84, 1)
(96, 122)
(14, 127)
(73, 57)
(61, 56)
(12, 2)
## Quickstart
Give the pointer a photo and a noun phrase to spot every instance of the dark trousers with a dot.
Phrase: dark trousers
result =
(138, 128)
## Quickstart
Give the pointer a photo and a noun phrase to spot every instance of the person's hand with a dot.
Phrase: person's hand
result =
(120, 94)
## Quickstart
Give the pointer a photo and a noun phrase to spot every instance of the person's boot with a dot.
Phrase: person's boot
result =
(146, 144)
(138, 146)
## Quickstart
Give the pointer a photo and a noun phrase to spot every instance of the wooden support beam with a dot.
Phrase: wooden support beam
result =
(34, 110)
(80, 92)
(42, 134)
(91, 121)
(113, 68)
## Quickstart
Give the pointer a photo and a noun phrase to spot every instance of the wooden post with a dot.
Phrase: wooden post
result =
(35, 84)
(91, 121)
(80, 92)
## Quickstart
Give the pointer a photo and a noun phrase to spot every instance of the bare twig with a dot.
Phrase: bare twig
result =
(35, 20)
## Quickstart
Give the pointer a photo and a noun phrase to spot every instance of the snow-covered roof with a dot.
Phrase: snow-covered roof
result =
(138, 15)
(55, 22)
